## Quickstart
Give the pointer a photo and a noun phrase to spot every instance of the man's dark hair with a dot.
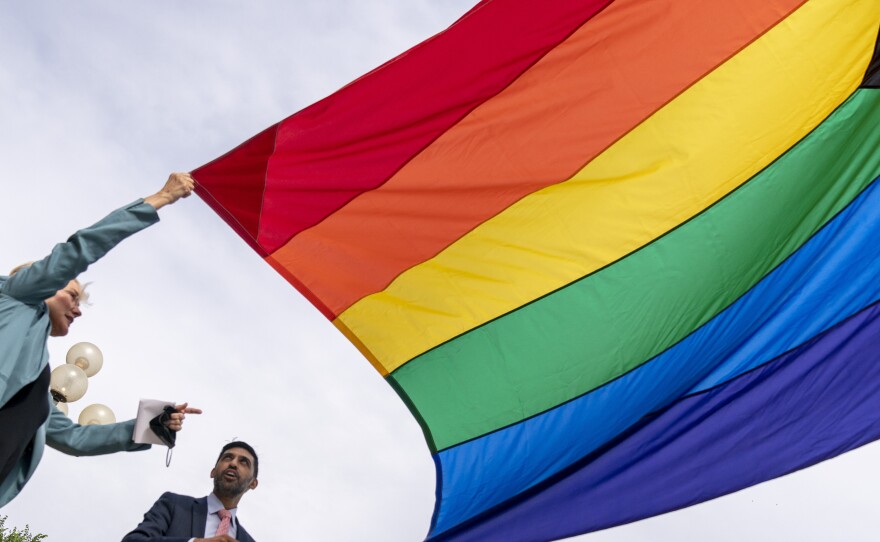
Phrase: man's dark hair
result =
(245, 446)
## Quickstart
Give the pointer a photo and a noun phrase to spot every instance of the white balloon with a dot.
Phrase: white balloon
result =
(87, 357)
(63, 408)
(68, 383)
(96, 414)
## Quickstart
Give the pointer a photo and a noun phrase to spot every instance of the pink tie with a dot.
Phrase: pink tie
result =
(225, 518)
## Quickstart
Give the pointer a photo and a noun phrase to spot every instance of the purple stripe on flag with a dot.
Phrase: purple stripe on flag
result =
(808, 405)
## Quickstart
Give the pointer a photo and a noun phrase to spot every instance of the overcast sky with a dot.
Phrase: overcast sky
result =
(99, 101)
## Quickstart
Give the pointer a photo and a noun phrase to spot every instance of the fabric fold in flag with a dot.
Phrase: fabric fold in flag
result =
(369, 133)
(546, 125)
(653, 464)
(872, 76)
(585, 240)
(628, 195)
(829, 278)
(700, 274)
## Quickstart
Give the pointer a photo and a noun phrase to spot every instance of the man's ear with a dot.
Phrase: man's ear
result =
(254, 484)
(214, 472)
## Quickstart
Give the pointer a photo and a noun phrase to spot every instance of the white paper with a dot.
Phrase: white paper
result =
(147, 410)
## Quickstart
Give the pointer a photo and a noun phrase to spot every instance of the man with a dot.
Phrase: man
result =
(178, 518)
(39, 300)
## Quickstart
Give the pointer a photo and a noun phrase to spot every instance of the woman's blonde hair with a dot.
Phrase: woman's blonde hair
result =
(18, 268)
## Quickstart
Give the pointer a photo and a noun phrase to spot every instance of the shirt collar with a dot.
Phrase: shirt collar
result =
(214, 505)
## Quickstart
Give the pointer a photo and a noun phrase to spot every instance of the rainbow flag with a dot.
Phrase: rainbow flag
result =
(617, 257)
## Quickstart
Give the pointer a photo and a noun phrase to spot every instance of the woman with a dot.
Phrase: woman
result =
(42, 299)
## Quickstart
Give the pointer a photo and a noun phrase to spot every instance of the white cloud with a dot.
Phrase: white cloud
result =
(99, 101)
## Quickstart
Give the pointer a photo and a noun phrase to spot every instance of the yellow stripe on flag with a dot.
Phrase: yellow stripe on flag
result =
(702, 145)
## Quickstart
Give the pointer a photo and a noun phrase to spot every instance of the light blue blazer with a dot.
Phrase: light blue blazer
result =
(25, 326)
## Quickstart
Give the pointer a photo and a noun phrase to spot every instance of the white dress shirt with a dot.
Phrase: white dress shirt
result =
(213, 520)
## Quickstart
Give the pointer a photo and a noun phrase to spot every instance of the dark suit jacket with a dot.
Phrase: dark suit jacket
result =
(176, 518)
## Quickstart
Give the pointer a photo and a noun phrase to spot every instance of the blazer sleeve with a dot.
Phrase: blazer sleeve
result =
(156, 523)
(42, 279)
(79, 440)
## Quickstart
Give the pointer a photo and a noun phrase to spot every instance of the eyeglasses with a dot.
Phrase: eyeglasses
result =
(74, 296)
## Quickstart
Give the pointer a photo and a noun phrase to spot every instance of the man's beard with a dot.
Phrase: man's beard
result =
(229, 488)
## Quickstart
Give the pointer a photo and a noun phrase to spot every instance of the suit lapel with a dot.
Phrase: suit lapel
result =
(199, 516)
(242, 535)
